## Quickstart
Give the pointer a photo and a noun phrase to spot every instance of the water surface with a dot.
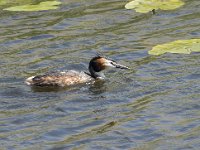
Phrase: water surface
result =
(155, 105)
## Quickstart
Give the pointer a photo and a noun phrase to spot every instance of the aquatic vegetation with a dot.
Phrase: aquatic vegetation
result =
(2, 2)
(39, 7)
(15, 2)
(179, 46)
(144, 6)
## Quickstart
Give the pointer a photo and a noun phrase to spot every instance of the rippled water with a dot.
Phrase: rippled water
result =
(155, 105)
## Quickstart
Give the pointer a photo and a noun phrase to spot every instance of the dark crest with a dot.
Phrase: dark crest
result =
(95, 64)
(100, 55)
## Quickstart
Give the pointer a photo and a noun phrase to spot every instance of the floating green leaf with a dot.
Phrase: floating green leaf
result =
(144, 6)
(11, 3)
(41, 6)
(180, 46)
(2, 2)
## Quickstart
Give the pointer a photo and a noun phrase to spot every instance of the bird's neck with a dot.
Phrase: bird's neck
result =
(95, 74)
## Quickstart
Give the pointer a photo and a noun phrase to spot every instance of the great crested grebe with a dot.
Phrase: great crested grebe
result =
(72, 77)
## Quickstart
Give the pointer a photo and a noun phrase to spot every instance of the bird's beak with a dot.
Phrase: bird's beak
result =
(116, 65)
(110, 63)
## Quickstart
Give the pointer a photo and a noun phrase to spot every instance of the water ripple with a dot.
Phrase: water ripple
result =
(155, 105)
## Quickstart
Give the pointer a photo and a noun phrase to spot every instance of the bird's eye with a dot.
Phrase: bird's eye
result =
(112, 62)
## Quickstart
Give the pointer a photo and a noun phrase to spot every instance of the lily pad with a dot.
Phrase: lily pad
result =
(144, 6)
(179, 46)
(14, 2)
(39, 7)
(2, 2)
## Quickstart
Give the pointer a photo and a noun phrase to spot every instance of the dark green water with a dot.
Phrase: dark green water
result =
(156, 105)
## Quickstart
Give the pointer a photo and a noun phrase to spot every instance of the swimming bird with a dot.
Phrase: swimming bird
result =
(72, 77)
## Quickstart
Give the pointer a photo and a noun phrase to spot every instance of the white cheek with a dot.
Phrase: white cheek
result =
(108, 64)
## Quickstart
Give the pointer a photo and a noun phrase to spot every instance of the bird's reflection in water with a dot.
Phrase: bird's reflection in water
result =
(98, 87)
(48, 88)
(72, 88)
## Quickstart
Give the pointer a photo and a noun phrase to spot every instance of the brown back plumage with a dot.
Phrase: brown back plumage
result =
(64, 78)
